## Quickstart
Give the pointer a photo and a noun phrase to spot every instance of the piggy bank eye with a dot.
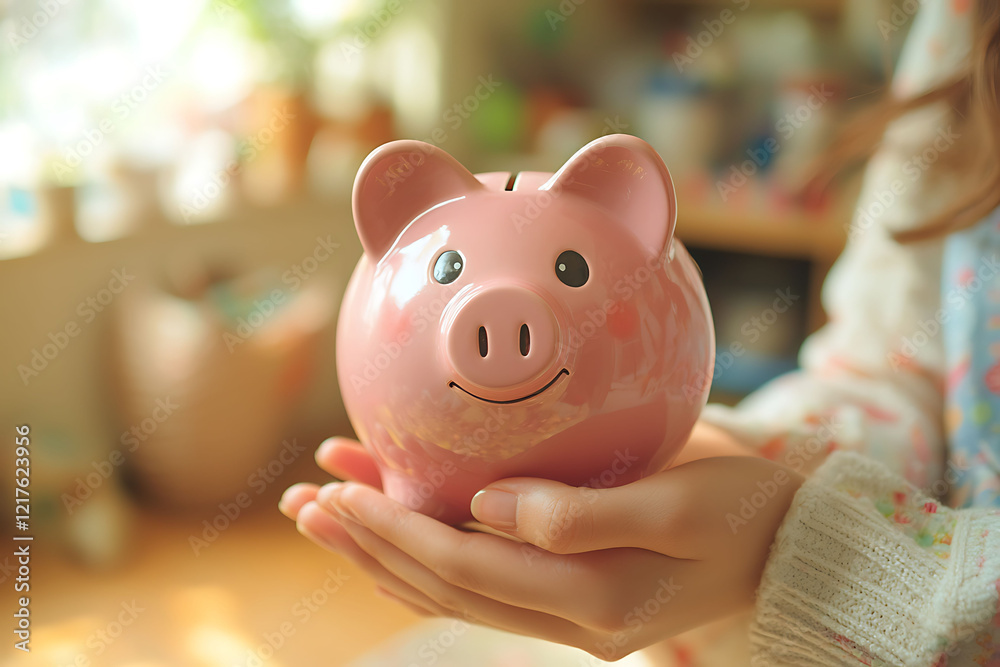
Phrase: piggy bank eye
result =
(572, 268)
(448, 267)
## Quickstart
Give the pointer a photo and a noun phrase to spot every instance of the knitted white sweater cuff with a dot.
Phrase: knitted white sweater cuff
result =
(847, 584)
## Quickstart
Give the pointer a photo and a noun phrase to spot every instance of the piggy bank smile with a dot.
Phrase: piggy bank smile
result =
(551, 382)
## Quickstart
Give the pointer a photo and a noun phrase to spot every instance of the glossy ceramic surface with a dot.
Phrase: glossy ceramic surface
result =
(546, 325)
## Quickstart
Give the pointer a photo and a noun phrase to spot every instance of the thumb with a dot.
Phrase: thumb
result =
(567, 519)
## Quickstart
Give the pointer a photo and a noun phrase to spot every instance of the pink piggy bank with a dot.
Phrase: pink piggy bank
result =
(499, 325)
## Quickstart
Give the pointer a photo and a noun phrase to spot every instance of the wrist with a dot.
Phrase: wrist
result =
(709, 441)
(789, 483)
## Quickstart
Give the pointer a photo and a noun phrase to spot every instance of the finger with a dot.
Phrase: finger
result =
(520, 575)
(683, 512)
(347, 459)
(326, 531)
(566, 519)
(560, 518)
(295, 497)
(462, 602)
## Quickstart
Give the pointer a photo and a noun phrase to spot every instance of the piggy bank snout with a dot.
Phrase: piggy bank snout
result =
(502, 339)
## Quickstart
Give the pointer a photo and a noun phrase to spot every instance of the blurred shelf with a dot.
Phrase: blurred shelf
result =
(795, 234)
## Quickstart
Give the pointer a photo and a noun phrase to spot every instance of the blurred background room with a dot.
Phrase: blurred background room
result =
(176, 234)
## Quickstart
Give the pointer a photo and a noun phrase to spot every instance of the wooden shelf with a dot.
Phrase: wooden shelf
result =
(818, 239)
(793, 234)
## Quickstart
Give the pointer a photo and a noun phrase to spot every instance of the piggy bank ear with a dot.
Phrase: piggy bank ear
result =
(625, 176)
(396, 183)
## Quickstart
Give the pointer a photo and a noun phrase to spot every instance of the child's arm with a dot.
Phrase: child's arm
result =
(865, 569)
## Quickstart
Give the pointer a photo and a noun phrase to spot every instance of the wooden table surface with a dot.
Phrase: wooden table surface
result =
(259, 585)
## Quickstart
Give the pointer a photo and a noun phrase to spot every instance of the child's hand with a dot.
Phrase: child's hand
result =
(613, 571)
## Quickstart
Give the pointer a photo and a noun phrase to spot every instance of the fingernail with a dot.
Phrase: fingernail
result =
(495, 508)
(283, 504)
(329, 495)
(325, 447)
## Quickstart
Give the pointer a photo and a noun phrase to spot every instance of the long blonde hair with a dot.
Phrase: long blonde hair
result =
(973, 96)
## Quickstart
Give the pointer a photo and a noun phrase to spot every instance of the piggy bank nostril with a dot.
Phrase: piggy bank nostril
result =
(501, 341)
(484, 343)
